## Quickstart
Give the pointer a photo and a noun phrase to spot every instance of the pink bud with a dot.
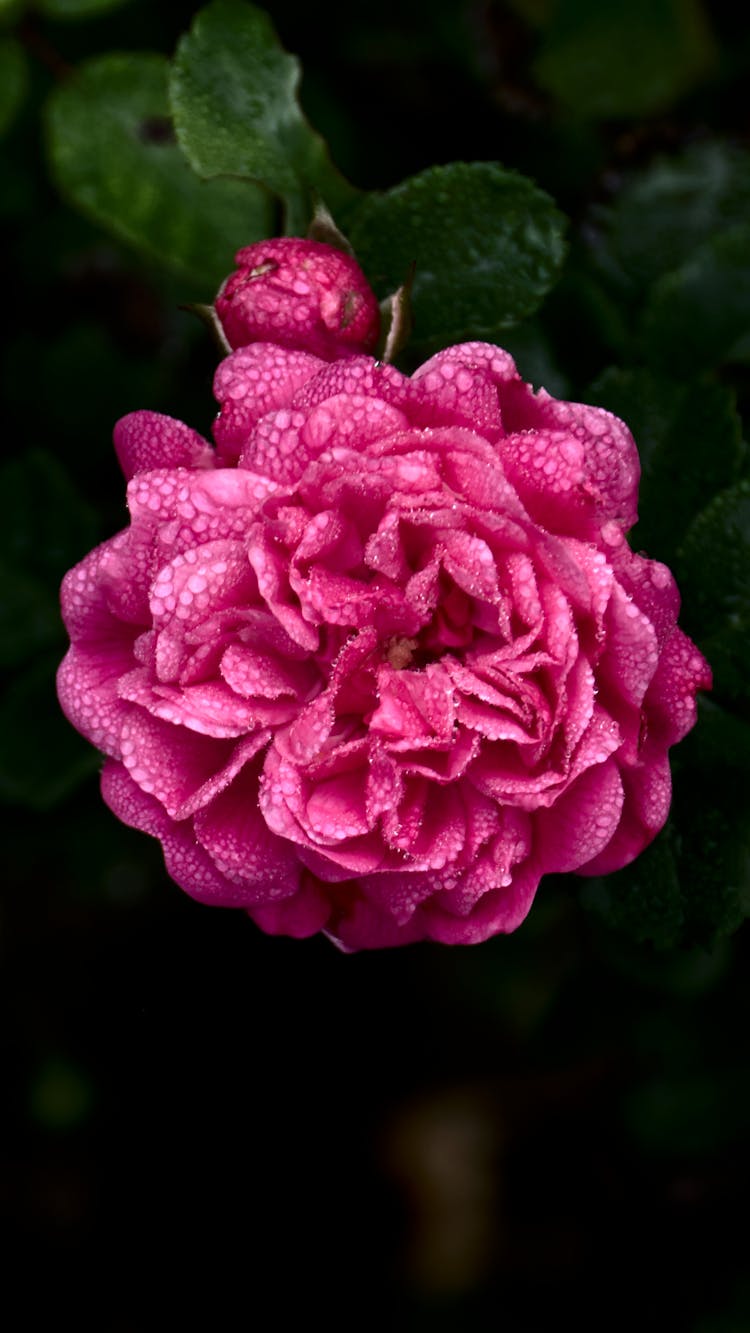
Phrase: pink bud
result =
(299, 294)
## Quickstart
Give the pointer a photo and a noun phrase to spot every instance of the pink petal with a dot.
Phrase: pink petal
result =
(610, 459)
(127, 570)
(670, 705)
(243, 848)
(284, 442)
(205, 579)
(631, 653)
(130, 803)
(83, 595)
(398, 895)
(499, 911)
(447, 390)
(311, 732)
(493, 362)
(147, 440)
(582, 821)
(652, 588)
(547, 468)
(182, 769)
(273, 448)
(201, 506)
(272, 572)
(491, 866)
(648, 792)
(251, 382)
(210, 708)
(256, 674)
(361, 924)
(337, 809)
(186, 862)
(87, 682)
(355, 375)
(300, 916)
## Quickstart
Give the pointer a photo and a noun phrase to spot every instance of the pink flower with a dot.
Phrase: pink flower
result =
(386, 659)
(300, 294)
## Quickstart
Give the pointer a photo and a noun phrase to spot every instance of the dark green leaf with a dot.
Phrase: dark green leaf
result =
(10, 10)
(13, 80)
(714, 858)
(114, 154)
(29, 617)
(643, 901)
(699, 316)
(534, 12)
(234, 98)
(667, 211)
(687, 1114)
(61, 1095)
(488, 245)
(689, 438)
(720, 740)
(47, 526)
(88, 381)
(715, 580)
(625, 57)
(535, 359)
(41, 757)
(582, 301)
(78, 9)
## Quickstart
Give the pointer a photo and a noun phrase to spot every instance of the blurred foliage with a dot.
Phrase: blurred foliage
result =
(113, 151)
(13, 80)
(689, 438)
(716, 563)
(600, 1051)
(625, 57)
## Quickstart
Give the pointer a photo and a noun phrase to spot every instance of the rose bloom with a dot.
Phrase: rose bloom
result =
(383, 658)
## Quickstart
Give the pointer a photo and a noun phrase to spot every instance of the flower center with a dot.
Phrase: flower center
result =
(400, 651)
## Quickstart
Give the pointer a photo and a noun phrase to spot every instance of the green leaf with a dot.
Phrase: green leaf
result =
(29, 617)
(582, 300)
(78, 9)
(643, 901)
(114, 155)
(715, 581)
(61, 1095)
(661, 217)
(691, 886)
(532, 352)
(699, 316)
(689, 439)
(534, 12)
(687, 1114)
(625, 57)
(41, 757)
(88, 382)
(488, 245)
(11, 10)
(46, 526)
(714, 858)
(13, 80)
(719, 740)
(234, 98)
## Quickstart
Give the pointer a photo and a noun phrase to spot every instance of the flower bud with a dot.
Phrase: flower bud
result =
(299, 294)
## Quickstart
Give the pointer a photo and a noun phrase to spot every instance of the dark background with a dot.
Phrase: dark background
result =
(204, 1124)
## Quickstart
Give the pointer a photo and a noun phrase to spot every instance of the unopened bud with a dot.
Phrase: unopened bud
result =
(299, 294)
